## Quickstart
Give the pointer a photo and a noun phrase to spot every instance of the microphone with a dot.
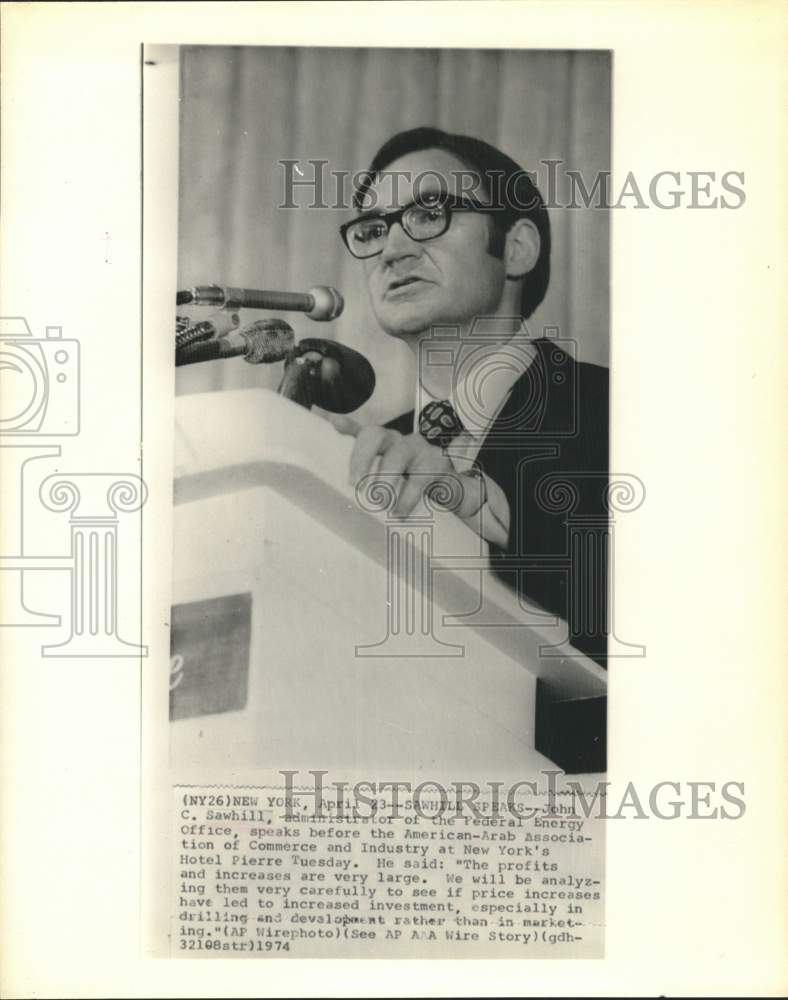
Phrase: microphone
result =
(216, 325)
(320, 303)
(265, 341)
(327, 374)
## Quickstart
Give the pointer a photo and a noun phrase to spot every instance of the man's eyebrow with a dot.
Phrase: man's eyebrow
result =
(429, 189)
(369, 213)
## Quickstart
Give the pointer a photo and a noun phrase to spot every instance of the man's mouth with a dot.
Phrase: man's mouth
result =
(399, 285)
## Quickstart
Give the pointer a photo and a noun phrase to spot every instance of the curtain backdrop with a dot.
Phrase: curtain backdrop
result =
(243, 109)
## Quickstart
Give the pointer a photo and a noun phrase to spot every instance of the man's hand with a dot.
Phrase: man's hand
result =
(409, 466)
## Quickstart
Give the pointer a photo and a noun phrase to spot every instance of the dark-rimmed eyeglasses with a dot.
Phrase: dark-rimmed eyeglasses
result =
(422, 220)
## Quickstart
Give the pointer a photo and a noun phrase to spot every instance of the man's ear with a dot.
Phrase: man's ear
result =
(523, 244)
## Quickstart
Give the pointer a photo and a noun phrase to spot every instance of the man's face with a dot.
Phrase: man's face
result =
(452, 278)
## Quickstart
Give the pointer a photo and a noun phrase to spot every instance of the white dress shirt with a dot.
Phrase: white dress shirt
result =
(485, 371)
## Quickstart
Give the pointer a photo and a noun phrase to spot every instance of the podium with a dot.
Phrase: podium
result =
(313, 629)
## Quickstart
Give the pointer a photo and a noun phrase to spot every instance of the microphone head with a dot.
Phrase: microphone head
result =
(268, 340)
(334, 377)
(328, 303)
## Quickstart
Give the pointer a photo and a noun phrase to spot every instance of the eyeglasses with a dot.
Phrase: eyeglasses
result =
(422, 220)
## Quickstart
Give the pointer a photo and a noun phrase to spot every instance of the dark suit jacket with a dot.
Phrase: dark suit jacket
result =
(548, 451)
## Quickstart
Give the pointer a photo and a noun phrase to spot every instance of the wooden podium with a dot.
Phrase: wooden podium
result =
(312, 629)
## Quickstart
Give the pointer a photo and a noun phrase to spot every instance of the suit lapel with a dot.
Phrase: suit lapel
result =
(403, 423)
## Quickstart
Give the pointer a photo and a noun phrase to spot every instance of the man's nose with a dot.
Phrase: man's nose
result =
(399, 245)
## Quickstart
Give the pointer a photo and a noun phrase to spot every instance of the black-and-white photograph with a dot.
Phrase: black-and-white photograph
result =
(392, 417)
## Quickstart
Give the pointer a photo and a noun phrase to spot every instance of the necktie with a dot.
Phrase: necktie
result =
(439, 424)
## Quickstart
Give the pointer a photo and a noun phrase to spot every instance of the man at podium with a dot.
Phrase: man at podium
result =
(454, 239)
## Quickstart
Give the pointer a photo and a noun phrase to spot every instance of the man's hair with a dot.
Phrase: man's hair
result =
(508, 186)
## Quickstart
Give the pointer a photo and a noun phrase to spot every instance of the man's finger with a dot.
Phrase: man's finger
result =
(409, 495)
(395, 458)
(394, 461)
(344, 424)
(370, 441)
